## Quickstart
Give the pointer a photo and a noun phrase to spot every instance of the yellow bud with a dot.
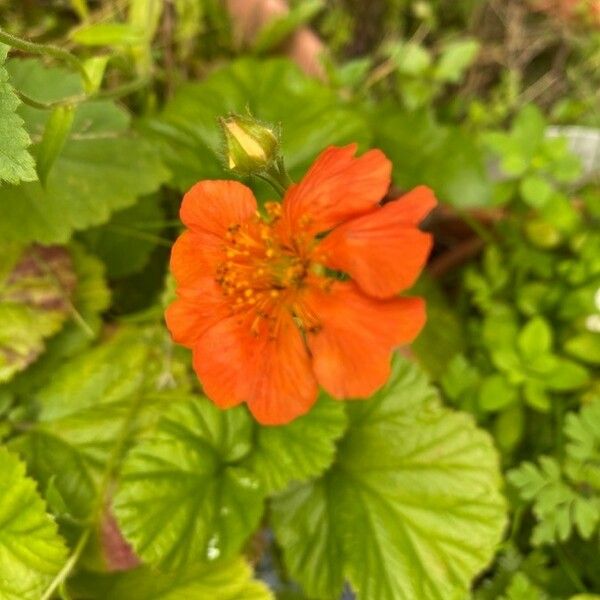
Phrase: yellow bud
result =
(250, 146)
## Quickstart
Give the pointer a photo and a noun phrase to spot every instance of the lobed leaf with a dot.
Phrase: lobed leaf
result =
(31, 551)
(182, 496)
(410, 509)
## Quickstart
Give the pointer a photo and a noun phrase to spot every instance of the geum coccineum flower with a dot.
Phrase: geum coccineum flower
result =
(258, 300)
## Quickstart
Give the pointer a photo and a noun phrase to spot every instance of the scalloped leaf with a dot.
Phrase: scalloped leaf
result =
(300, 450)
(411, 507)
(115, 392)
(31, 551)
(183, 497)
(16, 164)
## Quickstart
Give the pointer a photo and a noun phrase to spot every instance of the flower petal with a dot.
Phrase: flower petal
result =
(382, 251)
(212, 206)
(284, 386)
(352, 348)
(272, 373)
(195, 256)
(195, 311)
(337, 187)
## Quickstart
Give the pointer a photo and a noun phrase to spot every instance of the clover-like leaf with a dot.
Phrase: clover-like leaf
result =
(183, 497)
(102, 167)
(410, 509)
(31, 551)
(16, 164)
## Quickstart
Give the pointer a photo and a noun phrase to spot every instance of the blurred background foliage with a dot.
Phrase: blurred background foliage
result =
(495, 104)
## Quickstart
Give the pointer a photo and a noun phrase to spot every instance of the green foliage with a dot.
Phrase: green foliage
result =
(54, 138)
(566, 497)
(424, 151)
(222, 580)
(34, 303)
(280, 454)
(102, 166)
(114, 394)
(311, 117)
(379, 519)
(132, 232)
(16, 164)
(521, 588)
(394, 496)
(183, 497)
(31, 551)
(216, 468)
(420, 76)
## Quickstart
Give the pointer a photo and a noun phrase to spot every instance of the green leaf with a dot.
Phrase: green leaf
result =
(425, 152)
(108, 34)
(222, 580)
(508, 427)
(558, 507)
(182, 496)
(528, 130)
(442, 338)
(34, 303)
(95, 68)
(535, 395)
(410, 509)
(521, 588)
(90, 297)
(585, 347)
(568, 375)
(535, 339)
(31, 551)
(411, 58)
(311, 117)
(126, 242)
(55, 136)
(302, 449)
(144, 16)
(496, 393)
(277, 30)
(115, 391)
(460, 379)
(536, 191)
(16, 164)
(456, 58)
(103, 167)
(583, 448)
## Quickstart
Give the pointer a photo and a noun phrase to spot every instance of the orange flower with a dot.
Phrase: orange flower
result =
(259, 302)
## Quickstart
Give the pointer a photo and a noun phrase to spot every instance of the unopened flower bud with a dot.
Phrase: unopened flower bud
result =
(250, 146)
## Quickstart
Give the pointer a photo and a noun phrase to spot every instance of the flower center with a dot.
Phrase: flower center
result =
(258, 270)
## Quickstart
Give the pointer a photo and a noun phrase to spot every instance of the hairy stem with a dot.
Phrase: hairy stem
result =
(46, 50)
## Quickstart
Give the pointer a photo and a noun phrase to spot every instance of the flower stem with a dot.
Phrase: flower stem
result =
(274, 183)
(62, 575)
(46, 50)
(118, 92)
